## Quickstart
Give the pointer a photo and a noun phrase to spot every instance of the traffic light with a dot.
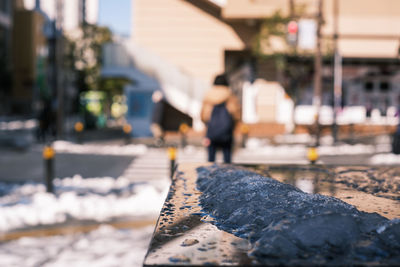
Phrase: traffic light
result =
(292, 31)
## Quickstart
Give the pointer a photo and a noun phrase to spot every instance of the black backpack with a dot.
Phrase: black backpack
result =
(220, 126)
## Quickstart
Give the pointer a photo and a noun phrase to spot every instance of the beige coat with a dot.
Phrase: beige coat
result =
(217, 95)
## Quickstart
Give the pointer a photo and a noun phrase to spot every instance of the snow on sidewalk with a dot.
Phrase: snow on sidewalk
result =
(261, 147)
(385, 159)
(105, 246)
(100, 199)
(97, 149)
(18, 125)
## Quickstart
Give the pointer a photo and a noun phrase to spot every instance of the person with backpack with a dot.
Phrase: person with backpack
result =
(220, 111)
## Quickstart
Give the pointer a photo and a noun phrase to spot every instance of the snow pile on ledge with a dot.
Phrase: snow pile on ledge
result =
(126, 150)
(289, 227)
(98, 199)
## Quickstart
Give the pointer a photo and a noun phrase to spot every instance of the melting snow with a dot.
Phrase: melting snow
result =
(68, 147)
(105, 246)
(385, 159)
(18, 124)
(99, 199)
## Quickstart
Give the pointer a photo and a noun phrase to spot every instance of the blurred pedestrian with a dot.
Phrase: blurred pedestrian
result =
(44, 118)
(220, 111)
(396, 141)
(157, 118)
(396, 134)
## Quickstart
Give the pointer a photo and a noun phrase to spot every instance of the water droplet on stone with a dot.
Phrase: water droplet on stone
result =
(189, 242)
(179, 258)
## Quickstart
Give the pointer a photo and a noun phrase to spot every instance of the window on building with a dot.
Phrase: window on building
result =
(384, 86)
(4, 6)
(3, 42)
(139, 104)
(369, 86)
(82, 11)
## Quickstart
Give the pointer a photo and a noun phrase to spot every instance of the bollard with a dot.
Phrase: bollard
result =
(317, 129)
(244, 129)
(48, 156)
(78, 127)
(127, 128)
(312, 154)
(172, 157)
(183, 130)
(351, 126)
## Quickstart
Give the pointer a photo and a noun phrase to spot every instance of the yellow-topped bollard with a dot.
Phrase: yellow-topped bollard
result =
(244, 130)
(172, 156)
(48, 156)
(127, 128)
(78, 127)
(48, 152)
(172, 153)
(183, 129)
(312, 154)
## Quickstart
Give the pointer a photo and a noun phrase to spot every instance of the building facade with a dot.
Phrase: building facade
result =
(69, 13)
(5, 24)
(205, 38)
(38, 38)
(6, 10)
(189, 34)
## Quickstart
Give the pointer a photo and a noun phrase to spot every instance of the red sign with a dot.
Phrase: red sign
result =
(292, 27)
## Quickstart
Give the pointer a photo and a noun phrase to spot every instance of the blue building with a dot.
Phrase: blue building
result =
(147, 73)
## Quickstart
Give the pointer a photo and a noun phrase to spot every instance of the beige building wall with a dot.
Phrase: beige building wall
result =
(266, 102)
(184, 34)
(367, 28)
(253, 9)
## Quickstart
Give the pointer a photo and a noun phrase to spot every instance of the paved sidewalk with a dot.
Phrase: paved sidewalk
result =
(74, 228)
(20, 166)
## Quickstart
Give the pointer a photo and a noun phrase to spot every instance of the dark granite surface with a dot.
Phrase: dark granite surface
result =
(235, 226)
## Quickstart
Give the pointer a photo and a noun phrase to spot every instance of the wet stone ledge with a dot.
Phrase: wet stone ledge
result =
(255, 215)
